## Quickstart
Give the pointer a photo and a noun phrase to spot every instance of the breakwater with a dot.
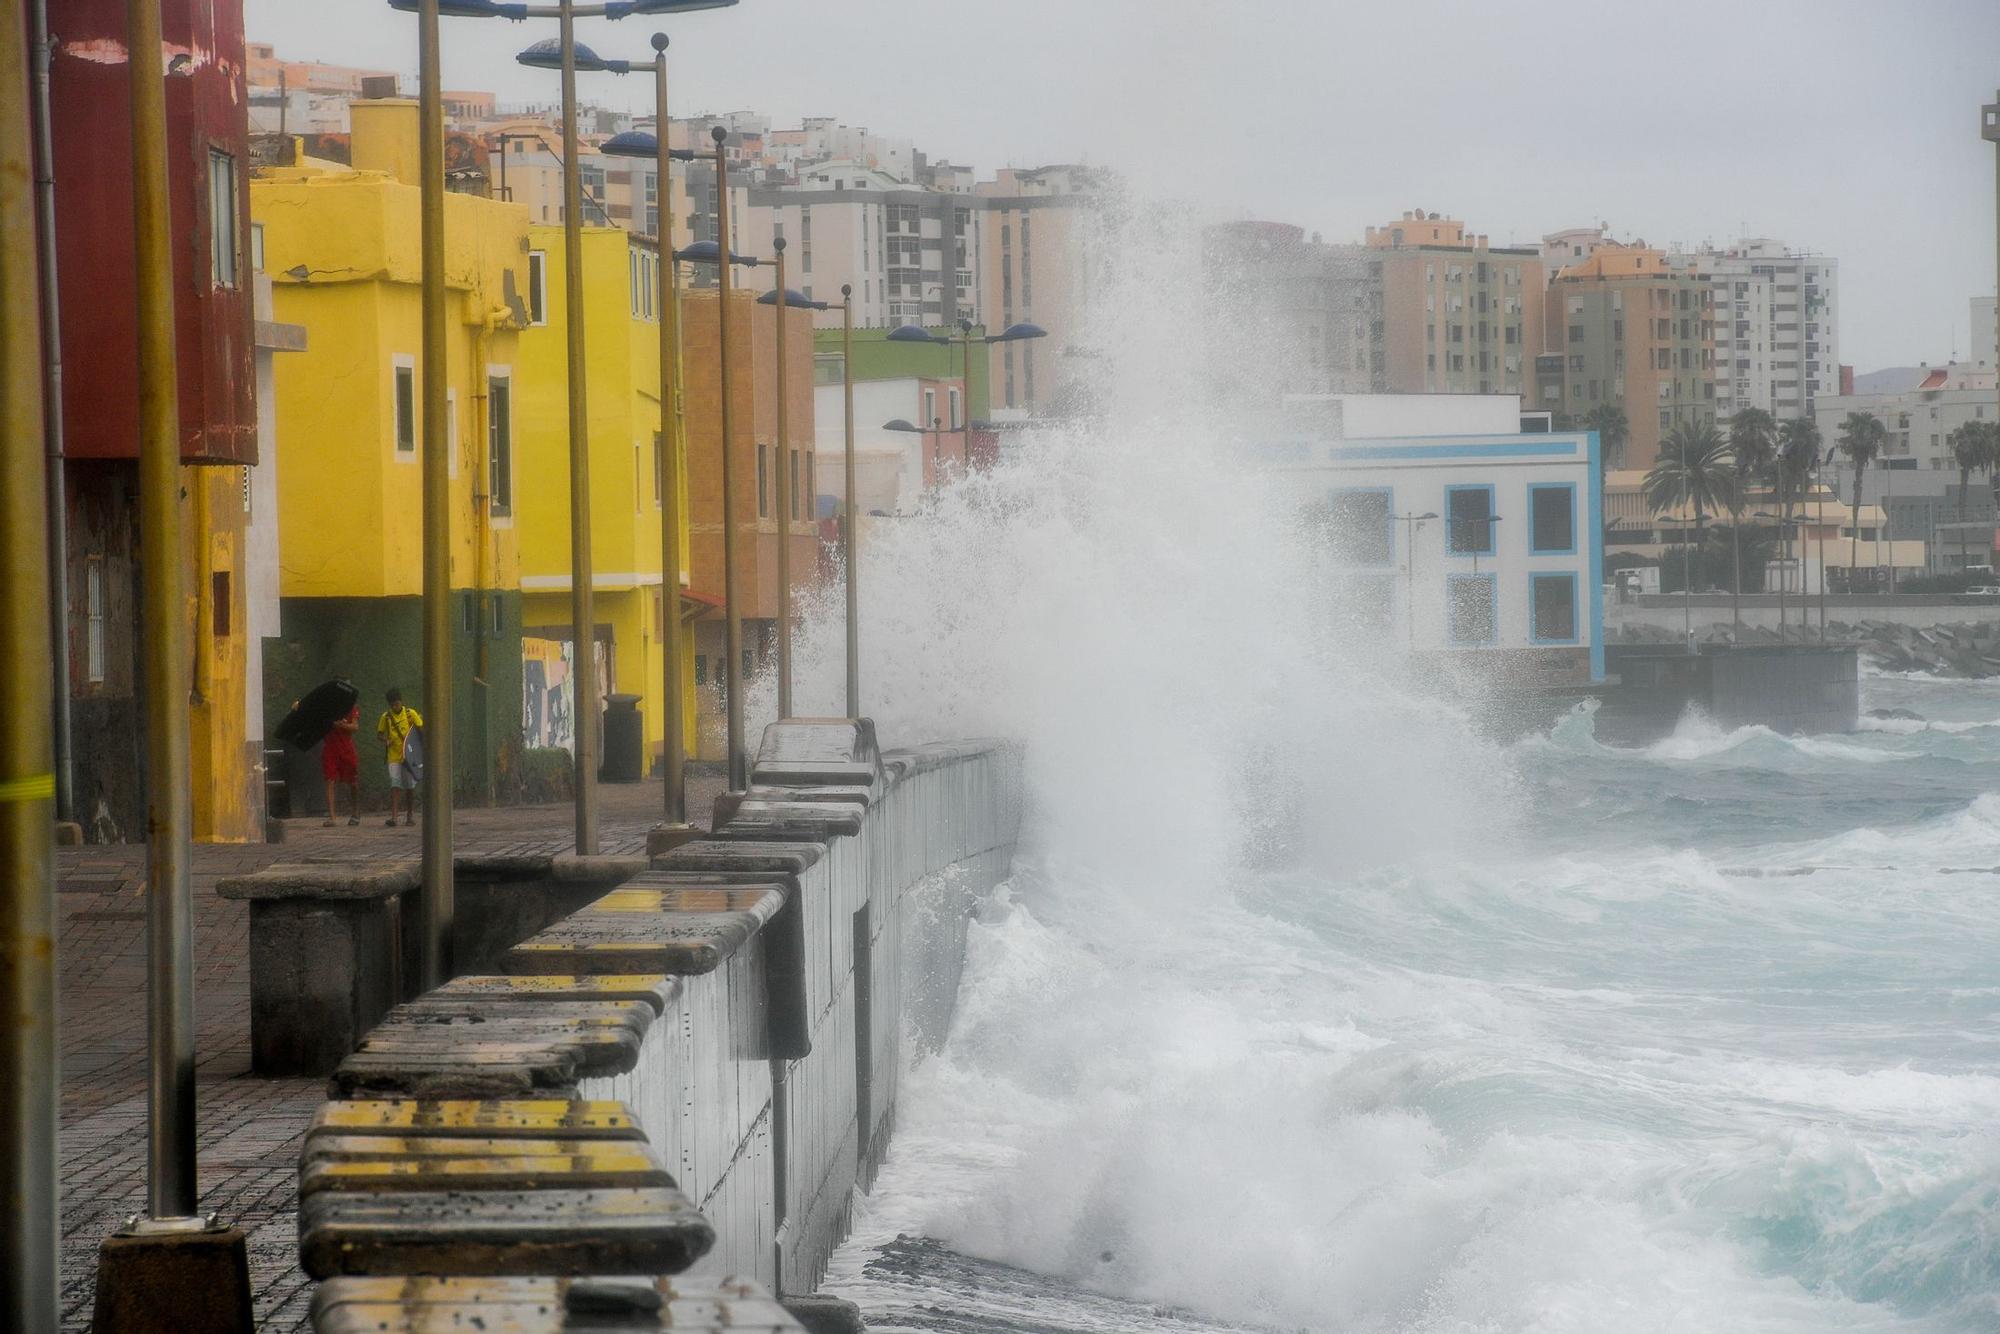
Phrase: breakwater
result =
(738, 1017)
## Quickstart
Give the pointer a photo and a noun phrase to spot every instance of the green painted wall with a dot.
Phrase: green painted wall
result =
(876, 358)
(378, 643)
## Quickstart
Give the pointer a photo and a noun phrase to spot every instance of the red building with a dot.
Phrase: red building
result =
(208, 150)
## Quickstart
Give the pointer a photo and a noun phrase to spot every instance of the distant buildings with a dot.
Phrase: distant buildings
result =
(1626, 328)
(1777, 325)
(1460, 316)
(1298, 316)
(1920, 408)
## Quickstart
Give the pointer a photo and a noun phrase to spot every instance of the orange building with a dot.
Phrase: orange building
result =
(1626, 328)
(755, 458)
(1460, 316)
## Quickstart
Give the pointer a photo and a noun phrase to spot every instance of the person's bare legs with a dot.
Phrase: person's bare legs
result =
(395, 801)
(331, 810)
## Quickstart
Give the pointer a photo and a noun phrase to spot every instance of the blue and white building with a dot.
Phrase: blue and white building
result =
(1460, 540)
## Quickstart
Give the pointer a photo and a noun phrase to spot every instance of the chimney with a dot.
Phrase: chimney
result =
(385, 137)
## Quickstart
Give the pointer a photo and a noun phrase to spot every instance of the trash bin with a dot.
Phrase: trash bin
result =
(624, 741)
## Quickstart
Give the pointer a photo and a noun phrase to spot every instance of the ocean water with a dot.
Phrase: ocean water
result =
(1307, 1008)
(1700, 1037)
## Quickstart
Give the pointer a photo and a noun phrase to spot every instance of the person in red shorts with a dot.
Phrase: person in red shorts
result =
(340, 765)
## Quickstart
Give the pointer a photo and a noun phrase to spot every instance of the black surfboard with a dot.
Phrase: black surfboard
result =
(314, 716)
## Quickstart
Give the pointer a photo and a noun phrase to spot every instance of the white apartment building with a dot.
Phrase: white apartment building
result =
(1919, 419)
(1777, 325)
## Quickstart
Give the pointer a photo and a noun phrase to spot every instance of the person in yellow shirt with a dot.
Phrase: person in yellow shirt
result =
(394, 727)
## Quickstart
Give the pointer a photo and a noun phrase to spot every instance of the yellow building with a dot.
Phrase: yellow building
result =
(622, 372)
(342, 246)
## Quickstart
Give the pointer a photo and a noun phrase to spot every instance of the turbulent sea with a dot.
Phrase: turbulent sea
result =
(1699, 1037)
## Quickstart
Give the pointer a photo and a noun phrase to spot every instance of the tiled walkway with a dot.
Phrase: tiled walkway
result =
(248, 1129)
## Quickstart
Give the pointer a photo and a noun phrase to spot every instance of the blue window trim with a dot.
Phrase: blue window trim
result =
(1569, 550)
(1492, 540)
(1575, 611)
(1492, 583)
(1389, 517)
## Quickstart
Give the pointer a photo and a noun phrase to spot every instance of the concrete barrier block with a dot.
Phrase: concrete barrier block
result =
(534, 1118)
(654, 934)
(805, 751)
(605, 1168)
(498, 1232)
(545, 1305)
(654, 990)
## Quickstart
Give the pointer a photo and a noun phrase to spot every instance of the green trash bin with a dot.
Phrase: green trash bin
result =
(624, 741)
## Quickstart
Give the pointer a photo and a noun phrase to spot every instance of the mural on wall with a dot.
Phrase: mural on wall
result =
(548, 691)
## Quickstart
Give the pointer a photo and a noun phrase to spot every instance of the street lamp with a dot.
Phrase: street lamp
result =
(847, 499)
(673, 434)
(1013, 333)
(934, 431)
(787, 501)
(716, 252)
(1410, 522)
(1784, 576)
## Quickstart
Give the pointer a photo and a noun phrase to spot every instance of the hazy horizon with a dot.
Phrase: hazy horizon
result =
(1842, 128)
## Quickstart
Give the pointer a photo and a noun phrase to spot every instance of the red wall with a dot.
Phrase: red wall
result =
(207, 108)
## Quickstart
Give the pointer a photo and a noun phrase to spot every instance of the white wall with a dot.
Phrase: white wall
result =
(1390, 416)
(892, 460)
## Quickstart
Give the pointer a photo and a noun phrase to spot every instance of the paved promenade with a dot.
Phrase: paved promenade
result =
(248, 1129)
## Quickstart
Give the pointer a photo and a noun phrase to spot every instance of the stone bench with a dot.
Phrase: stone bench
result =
(473, 1047)
(546, 1306)
(668, 929)
(334, 945)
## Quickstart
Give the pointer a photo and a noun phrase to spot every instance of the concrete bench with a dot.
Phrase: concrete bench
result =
(546, 1306)
(333, 945)
(571, 1119)
(476, 1047)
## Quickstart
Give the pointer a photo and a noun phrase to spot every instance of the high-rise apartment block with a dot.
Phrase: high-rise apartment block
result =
(1460, 315)
(1298, 316)
(1777, 342)
(1626, 328)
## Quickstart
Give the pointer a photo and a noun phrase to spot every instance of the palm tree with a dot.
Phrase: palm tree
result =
(1972, 451)
(1608, 420)
(1752, 439)
(1799, 457)
(1862, 436)
(1696, 469)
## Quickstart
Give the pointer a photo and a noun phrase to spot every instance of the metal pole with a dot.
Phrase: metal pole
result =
(964, 399)
(439, 891)
(732, 666)
(583, 622)
(28, 1110)
(785, 503)
(847, 528)
(169, 810)
(52, 415)
(673, 747)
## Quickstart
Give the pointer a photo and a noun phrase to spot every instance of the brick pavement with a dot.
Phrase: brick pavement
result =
(248, 1130)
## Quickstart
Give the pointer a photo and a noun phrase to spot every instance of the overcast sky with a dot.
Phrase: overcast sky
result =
(1849, 127)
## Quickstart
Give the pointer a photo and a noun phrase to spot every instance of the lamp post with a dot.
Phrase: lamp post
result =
(787, 502)
(1013, 333)
(847, 499)
(1989, 130)
(717, 252)
(437, 616)
(1410, 522)
(673, 438)
(932, 432)
(28, 1108)
(1783, 575)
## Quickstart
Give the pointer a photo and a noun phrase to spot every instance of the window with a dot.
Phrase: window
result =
(930, 409)
(1469, 512)
(222, 250)
(954, 419)
(500, 442)
(1362, 529)
(659, 470)
(792, 477)
(763, 482)
(538, 287)
(406, 406)
(256, 247)
(1553, 609)
(1552, 519)
(1469, 618)
(93, 602)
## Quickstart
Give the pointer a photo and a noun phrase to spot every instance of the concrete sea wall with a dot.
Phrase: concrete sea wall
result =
(695, 1070)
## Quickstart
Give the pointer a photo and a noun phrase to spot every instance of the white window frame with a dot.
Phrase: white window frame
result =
(538, 286)
(498, 516)
(93, 595)
(398, 363)
(225, 250)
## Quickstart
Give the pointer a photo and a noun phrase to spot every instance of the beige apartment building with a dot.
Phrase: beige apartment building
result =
(1460, 315)
(1624, 327)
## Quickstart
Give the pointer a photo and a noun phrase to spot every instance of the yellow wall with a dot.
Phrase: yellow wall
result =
(342, 248)
(224, 770)
(622, 351)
